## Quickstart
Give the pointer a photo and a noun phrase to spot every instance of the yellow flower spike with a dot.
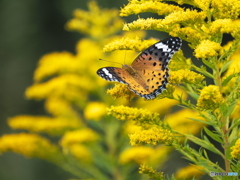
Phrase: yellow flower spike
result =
(221, 26)
(140, 116)
(43, 124)
(60, 107)
(210, 98)
(190, 172)
(179, 122)
(185, 76)
(121, 90)
(79, 151)
(127, 43)
(131, 127)
(187, 17)
(236, 150)
(236, 32)
(69, 86)
(78, 136)
(84, 57)
(97, 23)
(139, 155)
(207, 49)
(223, 9)
(191, 34)
(144, 24)
(95, 110)
(153, 136)
(152, 173)
(55, 63)
(203, 4)
(135, 7)
(29, 145)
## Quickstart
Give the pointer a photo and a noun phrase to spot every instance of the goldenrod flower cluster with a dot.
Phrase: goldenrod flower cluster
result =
(139, 155)
(236, 150)
(207, 49)
(30, 145)
(210, 98)
(140, 116)
(152, 173)
(153, 136)
(136, 7)
(120, 90)
(185, 76)
(86, 21)
(189, 172)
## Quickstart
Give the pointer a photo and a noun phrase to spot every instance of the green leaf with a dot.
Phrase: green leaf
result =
(226, 80)
(209, 64)
(233, 136)
(225, 67)
(201, 121)
(214, 136)
(202, 70)
(205, 144)
(235, 123)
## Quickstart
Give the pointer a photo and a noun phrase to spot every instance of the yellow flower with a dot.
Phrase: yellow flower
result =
(79, 151)
(69, 86)
(55, 63)
(153, 136)
(140, 116)
(107, 21)
(203, 4)
(221, 26)
(223, 9)
(207, 49)
(139, 155)
(54, 126)
(185, 76)
(127, 43)
(60, 107)
(185, 17)
(191, 34)
(135, 7)
(144, 24)
(190, 172)
(236, 150)
(95, 110)
(210, 98)
(152, 173)
(30, 145)
(121, 90)
(236, 112)
(78, 136)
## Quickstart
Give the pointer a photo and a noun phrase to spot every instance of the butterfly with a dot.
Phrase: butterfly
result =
(148, 74)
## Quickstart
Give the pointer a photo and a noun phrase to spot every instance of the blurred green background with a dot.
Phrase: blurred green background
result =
(29, 29)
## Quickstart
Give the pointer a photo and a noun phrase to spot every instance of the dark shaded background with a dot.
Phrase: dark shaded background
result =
(28, 30)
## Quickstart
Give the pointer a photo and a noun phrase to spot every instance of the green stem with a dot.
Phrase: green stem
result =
(223, 122)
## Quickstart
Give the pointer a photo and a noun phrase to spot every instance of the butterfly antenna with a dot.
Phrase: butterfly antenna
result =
(110, 61)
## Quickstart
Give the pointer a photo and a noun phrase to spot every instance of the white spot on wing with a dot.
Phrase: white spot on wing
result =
(163, 46)
(107, 73)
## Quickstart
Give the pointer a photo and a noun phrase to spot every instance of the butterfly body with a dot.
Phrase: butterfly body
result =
(148, 75)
